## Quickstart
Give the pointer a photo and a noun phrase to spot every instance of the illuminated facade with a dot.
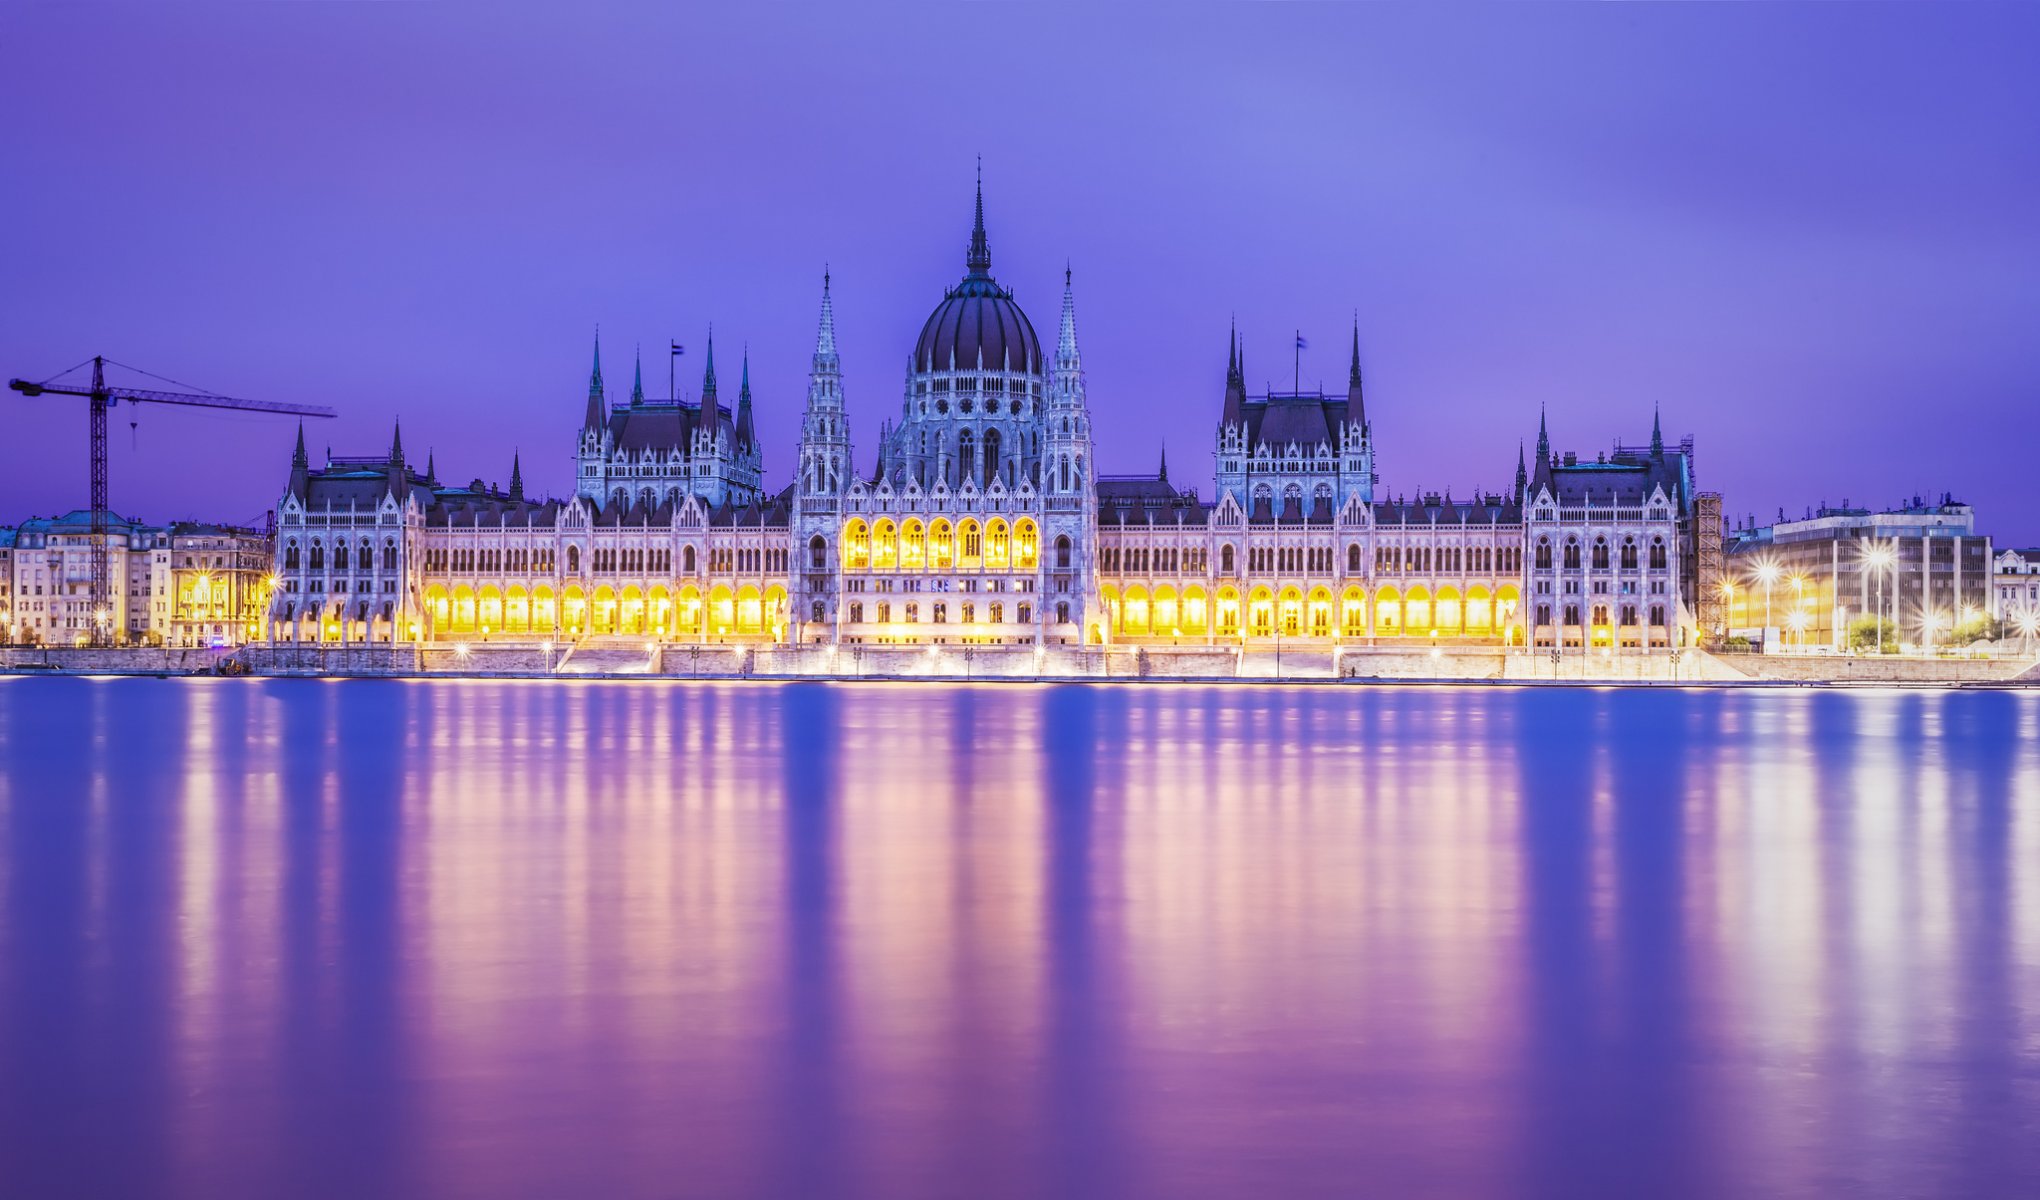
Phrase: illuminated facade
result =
(185, 584)
(1921, 567)
(983, 522)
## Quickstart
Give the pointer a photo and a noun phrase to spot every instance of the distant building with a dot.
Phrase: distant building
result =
(2015, 591)
(184, 584)
(1800, 583)
(219, 585)
(50, 580)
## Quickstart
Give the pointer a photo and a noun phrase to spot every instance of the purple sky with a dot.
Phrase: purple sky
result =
(1811, 234)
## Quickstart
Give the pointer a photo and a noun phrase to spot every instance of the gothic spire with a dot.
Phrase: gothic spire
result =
(637, 387)
(1234, 412)
(1657, 434)
(431, 471)
(708, 376)
(1356, 400)
(1066, 338)
(744, 430)
(516, 478)
(594, 416)
(1163, 473)
(300, 467)
(397, 444)
(979, 261)
(1543, 438)
(825, 336)
(1522, 474)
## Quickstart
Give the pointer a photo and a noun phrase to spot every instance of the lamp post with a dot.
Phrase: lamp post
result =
(1879, 559)
(1767, 574)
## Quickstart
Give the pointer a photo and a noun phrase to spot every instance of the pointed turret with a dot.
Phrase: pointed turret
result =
(1235, 381)
(708, 377)
(979, 261)
(300, 466)
(1657, 434)
(744, 430)
(1356, 400)
(516, 479)
(1162, 472)
(1543, 438)
(1066, 355)
(594, 417)
(637, 386)
(431, 471)
(1522, 473)
(825, 335)
(394, 472)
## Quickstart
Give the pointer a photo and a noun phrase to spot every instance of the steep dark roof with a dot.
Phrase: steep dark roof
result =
(1435, 509)
(1146, 500)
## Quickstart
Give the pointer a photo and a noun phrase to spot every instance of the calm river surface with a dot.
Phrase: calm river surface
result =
(390, 939)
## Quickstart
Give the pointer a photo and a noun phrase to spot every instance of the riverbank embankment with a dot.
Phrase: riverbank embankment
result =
(640, 660)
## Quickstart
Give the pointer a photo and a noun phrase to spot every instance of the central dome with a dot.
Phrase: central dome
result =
(978, 317)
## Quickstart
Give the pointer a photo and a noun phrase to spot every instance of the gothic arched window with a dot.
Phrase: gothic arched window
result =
(1062, 551)
(318, 557)
(574, 560)
(1600, 554)
(290, 555)
(687, 560)
(1629, 554)
(818, 555)
(1225, 558)
(1657, 553)
(1353, 559)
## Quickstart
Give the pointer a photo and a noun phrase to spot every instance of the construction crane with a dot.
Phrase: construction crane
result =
(103, 397)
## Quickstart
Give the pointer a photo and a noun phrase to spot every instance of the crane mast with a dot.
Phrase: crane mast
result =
(99, 397)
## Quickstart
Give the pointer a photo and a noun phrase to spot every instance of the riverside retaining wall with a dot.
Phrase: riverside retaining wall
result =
(1188, 663)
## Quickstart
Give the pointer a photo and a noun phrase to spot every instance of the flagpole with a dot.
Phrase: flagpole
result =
(1296, 380)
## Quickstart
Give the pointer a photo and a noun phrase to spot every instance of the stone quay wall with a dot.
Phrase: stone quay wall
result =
(623, 658)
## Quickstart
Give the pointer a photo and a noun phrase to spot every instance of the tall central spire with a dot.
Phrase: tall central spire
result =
(825, 336)
(980, 260)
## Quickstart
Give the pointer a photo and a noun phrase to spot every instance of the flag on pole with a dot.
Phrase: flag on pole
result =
(1301, 343)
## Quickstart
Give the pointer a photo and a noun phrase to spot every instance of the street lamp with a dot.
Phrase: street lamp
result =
(1767, 574)
(1880, 558)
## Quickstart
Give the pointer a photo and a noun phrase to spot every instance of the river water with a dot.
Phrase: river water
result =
(452, 939)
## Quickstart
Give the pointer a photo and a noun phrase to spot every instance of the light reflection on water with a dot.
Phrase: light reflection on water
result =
(476, 939)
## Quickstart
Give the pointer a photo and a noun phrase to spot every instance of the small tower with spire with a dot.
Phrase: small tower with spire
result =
(1356, 434)
(824, 428)
(825, 472)
(1068, 486)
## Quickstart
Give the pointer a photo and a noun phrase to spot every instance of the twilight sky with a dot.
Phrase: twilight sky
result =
(1810, 234)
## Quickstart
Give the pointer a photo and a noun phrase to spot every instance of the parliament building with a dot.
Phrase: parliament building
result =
(981, 521)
